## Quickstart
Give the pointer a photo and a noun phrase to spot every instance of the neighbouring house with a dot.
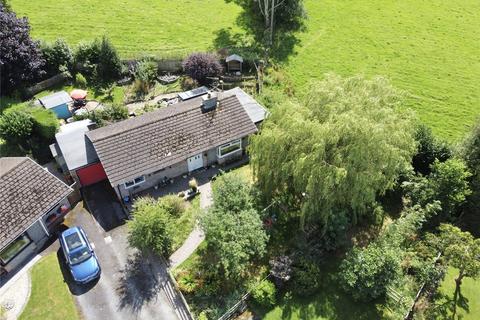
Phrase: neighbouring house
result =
(75, 154)
(33, 202)
(234, 63)
(59, 103)
(139, 153)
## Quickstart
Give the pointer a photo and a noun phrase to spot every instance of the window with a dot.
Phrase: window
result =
(14, 248)
(135, 182)
(229, 148)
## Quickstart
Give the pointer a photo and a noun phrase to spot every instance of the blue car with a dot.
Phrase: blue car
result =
(79, 255)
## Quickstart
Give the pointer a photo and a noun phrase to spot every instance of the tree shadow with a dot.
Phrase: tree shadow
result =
(139, 283)
(443, 305)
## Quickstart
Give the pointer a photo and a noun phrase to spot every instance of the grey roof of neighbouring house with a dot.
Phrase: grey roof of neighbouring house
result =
(56, 99)
(255, 111)
(75, 147)
(28, 191)
(234, 57)
(164, 137)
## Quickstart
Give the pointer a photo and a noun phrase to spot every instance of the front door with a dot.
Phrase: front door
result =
(195, 162)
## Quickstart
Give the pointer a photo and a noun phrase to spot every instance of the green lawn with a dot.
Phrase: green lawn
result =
(470, 289)
(427, 48)
(162, 27)
(50, 298)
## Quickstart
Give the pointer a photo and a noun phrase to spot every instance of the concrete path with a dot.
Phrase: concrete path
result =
(14, 294)
(196, 236)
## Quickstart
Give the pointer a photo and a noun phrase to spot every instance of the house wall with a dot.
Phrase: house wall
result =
(209, 158)
(153, 179)
(20, 258)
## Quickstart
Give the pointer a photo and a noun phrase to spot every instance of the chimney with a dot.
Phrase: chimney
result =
(209, 101)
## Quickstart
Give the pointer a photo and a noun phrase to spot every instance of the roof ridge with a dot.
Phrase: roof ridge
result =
(188, 107)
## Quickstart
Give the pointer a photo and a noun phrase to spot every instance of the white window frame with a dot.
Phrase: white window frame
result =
(231, 143)
(134, 183)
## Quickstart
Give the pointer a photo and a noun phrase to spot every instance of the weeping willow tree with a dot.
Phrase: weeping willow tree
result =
(345, 144)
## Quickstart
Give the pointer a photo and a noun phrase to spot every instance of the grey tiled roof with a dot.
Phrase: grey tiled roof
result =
(27, 192)
(161, 138)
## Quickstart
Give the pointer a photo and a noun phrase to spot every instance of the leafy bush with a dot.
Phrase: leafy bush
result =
(80, 81)
(428, 149)
(111, 113)
(188, 83)
(264, 293)
(16, 126)
(192, 184)
(306, 278)
(201, 65)
(172, 204)
(98, 60)
(150, 230)
(58, 57)
(366, 273)
(20, 56)
(187, 283)
(146, 71)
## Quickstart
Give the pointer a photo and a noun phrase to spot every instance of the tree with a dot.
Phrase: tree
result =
(428, 149)
(199, 66)
(20, 57)
(344, 145)
(145, 75)
(109, 67)
(58, 57)
(367, 272)
(233, 229)
(460, 250)
(266, 18)
(16, 126)
(150, 229)
(447, 183)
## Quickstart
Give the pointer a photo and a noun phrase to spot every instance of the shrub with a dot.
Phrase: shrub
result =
(187, 283)
(366, 273)
(306, 277)
(146, 71)
(264, 293)
(428, 149)
(80, 81)
(58, 57)
(192, 184)
(188, 83)
(114, 112)
(98, 60)
(150, 229)
(16, 126)
(200, 65)
(173, 205)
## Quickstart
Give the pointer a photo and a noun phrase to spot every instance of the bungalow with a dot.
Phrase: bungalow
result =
(140, 152)
(59, 103)
(32, 203)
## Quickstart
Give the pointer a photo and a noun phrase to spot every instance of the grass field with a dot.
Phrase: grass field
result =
(469, 308)
(50, 298)
(427, 48)
(163, 27)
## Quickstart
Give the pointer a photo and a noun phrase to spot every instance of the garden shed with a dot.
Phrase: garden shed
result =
(59, 103)
(234, 63)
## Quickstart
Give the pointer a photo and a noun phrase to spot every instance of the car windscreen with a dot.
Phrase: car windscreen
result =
(80, 255)
(73, 241)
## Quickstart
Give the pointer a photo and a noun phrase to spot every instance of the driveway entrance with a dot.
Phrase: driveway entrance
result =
(101, 201)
